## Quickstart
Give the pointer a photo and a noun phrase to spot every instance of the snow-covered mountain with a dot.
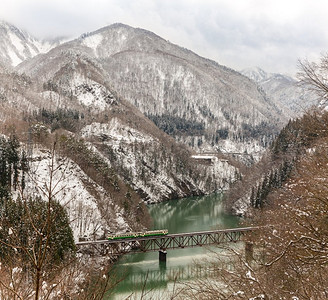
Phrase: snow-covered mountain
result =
(17, 45)
(210, 106)
(283, 90)
(110, 98)
(256, 74)
(117, 156)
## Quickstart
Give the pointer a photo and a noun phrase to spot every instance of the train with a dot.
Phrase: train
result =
(130, 235)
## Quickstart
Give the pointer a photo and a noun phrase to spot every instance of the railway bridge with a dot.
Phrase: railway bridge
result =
(164, 243)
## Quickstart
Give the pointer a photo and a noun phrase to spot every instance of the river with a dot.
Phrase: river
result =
(183, 215)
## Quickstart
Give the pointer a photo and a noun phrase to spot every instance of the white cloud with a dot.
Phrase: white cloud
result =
(272, 34)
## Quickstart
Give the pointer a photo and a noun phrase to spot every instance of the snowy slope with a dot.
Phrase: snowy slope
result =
(256, 74)
(16, 45)
(143, 156)
(113, 78)
(169, 82)
(70, 190)
(17, 95)
(283, 90)
(150, 166)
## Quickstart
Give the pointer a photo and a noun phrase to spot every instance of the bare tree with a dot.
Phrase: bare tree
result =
(314, 76)
(37, 250)
(291, 254)
(29, 247)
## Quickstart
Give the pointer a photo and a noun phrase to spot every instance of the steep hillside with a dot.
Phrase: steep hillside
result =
(117, 156)
(299, 139)
(174, 86)
(17, 45)
(108, 98)
(283, 90)
(16, 95)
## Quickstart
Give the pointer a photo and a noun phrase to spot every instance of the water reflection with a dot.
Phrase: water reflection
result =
(184, 215)
(192, 214)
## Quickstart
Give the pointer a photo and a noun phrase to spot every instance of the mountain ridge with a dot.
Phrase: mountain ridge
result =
(113, 96)
(18, 45)
(283, 89)
(162, 71)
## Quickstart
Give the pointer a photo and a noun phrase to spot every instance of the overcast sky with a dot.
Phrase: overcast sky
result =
(271, 34)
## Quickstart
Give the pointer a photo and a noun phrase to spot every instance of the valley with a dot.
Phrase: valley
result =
(130, 100)
(125, 131)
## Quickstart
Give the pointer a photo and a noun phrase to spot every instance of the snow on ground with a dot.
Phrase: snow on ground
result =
(160, 184)
(205, 156)
(224, 173)
(94, 95)
(16, 42)
(93, 41)
(79, 79)
(46, 46)
(17, 47)
(14, 58)
(69, 186)
(32, 50)
(219, 171)
(251, 147)
(91, 93)
(115, 132)
(241, 207)
(157, 182)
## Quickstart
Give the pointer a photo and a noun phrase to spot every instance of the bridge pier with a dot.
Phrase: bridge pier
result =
(162, 255)
(249, 251)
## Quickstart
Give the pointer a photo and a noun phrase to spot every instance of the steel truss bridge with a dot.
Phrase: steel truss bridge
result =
(163, 243)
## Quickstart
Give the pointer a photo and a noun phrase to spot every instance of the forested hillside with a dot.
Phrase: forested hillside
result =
(117, 156)
(171, 85)
(284, 90)
(294, 140)
(286, 254)
(94, 129)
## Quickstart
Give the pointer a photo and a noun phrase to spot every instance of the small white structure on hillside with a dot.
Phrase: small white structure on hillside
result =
(208, 158)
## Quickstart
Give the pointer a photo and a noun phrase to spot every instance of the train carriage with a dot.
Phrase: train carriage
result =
(130, 235)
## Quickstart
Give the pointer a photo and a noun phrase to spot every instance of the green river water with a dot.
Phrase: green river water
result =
(178, 216)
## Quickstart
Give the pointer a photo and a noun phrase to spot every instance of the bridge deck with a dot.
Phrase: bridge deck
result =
(170, 241)
(174, 235)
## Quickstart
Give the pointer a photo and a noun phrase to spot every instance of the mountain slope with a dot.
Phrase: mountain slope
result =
(172, 84)
(123, 156)
(17, 45)
(283, 90)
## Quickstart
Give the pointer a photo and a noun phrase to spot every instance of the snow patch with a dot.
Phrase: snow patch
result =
(70, 190)
(93, 41)
(45, 46)
(53, 98)
(94, 95)
(15, 60)
(17, 42)
(241, 207)
(115, 132)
